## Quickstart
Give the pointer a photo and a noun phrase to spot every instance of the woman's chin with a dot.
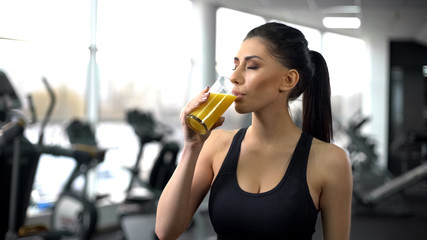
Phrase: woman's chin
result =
(241, 110)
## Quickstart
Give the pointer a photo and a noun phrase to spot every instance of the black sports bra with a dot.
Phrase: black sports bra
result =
(285, 212)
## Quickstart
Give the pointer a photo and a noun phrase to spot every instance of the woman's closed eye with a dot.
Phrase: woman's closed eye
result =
(252, 67)
(248, 67)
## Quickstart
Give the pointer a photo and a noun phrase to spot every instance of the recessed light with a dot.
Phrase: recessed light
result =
(341, 22)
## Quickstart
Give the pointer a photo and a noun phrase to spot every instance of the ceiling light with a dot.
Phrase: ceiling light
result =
(341, 22)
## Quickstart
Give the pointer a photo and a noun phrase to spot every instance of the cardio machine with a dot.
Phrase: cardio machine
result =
(74, 212)
(137, 204)
(74, 215)
(16, 171)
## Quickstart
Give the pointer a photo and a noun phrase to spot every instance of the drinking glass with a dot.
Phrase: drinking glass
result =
(206, 114)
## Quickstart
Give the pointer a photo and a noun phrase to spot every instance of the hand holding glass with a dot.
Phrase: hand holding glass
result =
(220, 98)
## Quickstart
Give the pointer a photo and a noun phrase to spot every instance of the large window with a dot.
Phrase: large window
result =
(144, 60)
(348, 69)
(143, 56)
(46, 38)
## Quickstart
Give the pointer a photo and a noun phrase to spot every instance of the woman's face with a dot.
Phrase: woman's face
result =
(257, 77)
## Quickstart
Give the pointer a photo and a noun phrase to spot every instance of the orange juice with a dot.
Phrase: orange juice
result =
(204, 117)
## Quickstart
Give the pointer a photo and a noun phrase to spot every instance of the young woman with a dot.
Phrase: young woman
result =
(271, 179)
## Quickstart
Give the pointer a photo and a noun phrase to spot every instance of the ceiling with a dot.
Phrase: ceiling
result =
(394, 19)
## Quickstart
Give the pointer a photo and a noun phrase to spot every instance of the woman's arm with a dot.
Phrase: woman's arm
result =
(190, 182)
(183, 194)
(336, 195)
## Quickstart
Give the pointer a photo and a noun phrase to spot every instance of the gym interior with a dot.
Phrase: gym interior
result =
(91, 93)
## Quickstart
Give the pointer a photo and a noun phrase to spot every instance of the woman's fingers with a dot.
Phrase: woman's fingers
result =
(195, 102)
(191, 106)
(203, 97)
(218, 123)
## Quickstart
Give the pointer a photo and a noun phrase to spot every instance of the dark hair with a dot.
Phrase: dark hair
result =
(289, 46)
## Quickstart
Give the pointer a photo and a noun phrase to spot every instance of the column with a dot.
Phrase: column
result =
(204, 72)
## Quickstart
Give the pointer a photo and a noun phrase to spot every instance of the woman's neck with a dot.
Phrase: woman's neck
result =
(274, 125)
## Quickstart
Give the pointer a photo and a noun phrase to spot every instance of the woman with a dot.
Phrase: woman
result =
(269, 180)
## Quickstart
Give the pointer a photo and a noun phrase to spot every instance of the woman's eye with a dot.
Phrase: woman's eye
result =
(248, 67)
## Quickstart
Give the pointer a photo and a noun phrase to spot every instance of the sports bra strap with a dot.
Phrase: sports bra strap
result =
(301, 153)
(230, 163)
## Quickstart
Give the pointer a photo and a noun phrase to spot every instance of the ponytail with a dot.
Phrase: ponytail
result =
(317, 113)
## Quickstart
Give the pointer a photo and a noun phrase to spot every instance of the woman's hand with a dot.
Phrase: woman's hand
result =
(190, 136)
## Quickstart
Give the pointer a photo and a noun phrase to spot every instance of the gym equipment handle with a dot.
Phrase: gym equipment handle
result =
(13, 128)
(82, 153)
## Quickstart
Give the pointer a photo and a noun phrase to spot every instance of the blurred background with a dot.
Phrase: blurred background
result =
(106, 58)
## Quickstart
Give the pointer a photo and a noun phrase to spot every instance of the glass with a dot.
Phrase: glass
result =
(220, 98)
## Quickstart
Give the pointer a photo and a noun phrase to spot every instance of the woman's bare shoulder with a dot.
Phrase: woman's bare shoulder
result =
(219, 139)
(329, 157)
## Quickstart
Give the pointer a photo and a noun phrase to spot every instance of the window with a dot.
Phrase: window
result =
(143, 56)
(348, 69)
(52, 44)
(232, 27)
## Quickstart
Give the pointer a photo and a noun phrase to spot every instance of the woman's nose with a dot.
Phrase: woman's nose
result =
(235, 78)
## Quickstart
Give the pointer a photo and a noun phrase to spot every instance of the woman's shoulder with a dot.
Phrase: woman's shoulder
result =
(331, 165)
(220, 138)
(328, 155)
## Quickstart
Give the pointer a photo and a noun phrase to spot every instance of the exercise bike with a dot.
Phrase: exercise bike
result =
(73, 216)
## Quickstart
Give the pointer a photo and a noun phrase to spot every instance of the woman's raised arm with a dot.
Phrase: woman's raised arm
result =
(191, 180)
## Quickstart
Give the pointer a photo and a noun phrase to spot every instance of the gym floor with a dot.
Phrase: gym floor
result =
(402, 217)
(399, 218)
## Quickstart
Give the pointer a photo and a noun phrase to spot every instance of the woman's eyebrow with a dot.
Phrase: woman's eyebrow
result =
(248, 58)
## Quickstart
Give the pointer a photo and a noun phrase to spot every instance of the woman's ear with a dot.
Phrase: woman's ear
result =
(290, 80)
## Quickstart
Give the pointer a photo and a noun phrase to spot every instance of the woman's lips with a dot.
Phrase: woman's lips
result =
(238, 94)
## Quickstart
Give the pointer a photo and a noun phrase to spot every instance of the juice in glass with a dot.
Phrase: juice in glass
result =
(220, 98)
